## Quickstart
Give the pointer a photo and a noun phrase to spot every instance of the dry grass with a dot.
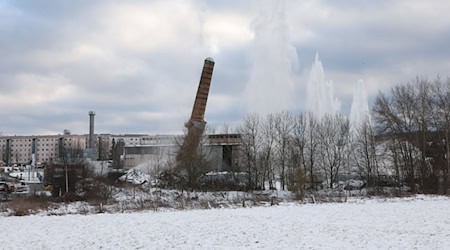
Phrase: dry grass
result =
(22, 206)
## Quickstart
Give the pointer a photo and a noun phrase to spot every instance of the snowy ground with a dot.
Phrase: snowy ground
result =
(411, 223)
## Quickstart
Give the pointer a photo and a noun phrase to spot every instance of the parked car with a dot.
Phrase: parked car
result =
(6, 188)
(5, 191)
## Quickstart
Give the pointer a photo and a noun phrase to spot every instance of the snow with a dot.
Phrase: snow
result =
(33, 176)
(136, 176)
(127, 200)
(139, 174)
(422, 222)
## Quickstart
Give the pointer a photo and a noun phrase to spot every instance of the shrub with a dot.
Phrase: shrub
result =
(297, 182)
(25, 206)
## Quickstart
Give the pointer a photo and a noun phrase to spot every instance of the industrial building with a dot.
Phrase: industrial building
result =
(18, 150)
(220, 149)
(137, 148)
(129, 150)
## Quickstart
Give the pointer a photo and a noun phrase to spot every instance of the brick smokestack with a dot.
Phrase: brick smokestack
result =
(198, 111)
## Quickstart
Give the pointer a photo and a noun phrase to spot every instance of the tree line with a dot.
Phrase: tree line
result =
(403, 143)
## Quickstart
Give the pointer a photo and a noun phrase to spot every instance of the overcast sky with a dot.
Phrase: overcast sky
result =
(137, 63)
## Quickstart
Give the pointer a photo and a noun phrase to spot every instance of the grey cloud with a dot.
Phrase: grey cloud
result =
(382, 42)
(151, 90)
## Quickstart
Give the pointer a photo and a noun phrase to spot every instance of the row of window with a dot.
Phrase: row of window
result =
(29, 145)
(29, 140)
(29, 155)
(154, 138)
(27, 161)
(38, 145)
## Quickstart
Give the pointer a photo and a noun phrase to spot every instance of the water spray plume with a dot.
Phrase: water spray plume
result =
(320, 98)
(359, 113)
(273, 57)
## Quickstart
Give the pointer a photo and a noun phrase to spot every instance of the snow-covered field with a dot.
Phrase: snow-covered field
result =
(422, 222)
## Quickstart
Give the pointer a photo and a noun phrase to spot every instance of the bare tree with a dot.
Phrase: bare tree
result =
(69, 169)
(423, 118)
(395, 117)
(334, 139)
(311, 147)
(70, 156)
(441, 119)
(364, 155)
(267, 150)
(16, 156)
(404, 100)
(193, 158)
(284, 126)
(299, 141)
(160, 159)
(104, 149)
(225, 129)
(297, 161)
(250, 131)
(415, 119)
(3, 156)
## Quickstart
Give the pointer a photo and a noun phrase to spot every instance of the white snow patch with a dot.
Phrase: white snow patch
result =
(136, 176)
(422, 222)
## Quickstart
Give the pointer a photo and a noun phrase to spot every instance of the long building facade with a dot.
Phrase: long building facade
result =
(18, 150)
(126, 151)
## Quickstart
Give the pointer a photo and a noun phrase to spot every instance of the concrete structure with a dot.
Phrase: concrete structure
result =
(137, 148)
(152, 155)
(143, 139)
(142, 148)
(224, 149)
(91, 130)
(157, 150)
(91, 150)
(18, 149)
